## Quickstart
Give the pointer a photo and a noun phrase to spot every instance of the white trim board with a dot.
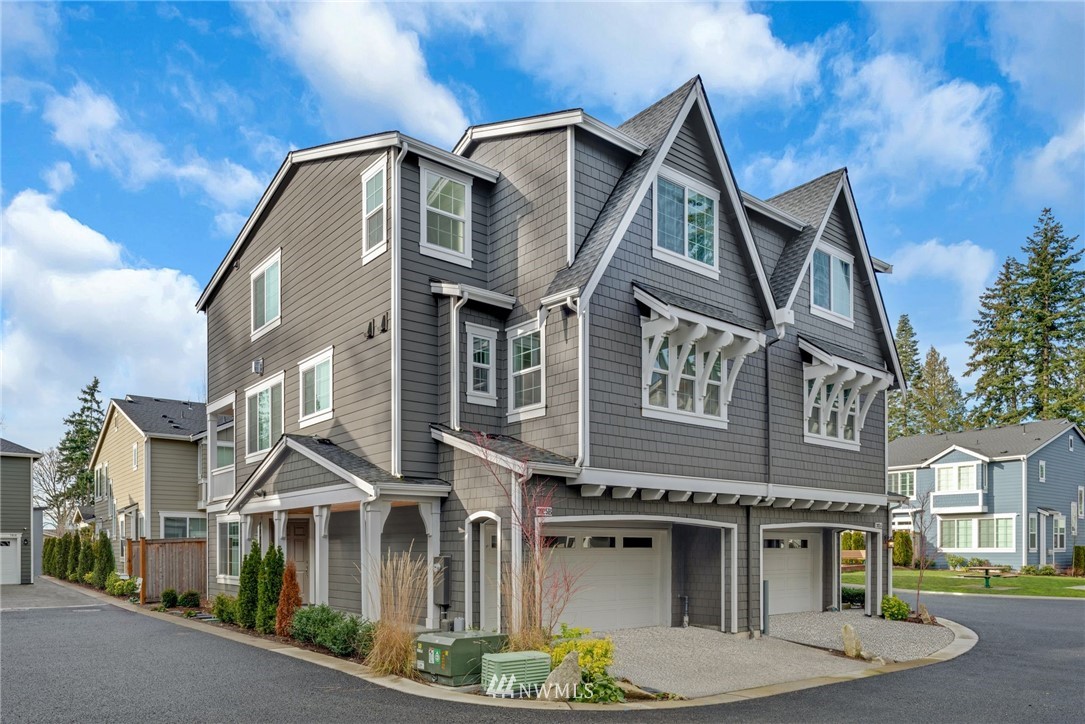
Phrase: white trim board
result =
(562, 119)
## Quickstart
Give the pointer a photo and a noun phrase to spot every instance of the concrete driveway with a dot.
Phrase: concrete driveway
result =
(43, 593)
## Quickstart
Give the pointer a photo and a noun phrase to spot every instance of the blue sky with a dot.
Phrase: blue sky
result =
(137, 137)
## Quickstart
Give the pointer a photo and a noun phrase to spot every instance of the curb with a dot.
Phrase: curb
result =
(964, 639)
(1003, 595)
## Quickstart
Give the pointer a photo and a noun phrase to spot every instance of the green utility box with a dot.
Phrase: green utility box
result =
(455, 658)
(515, 674)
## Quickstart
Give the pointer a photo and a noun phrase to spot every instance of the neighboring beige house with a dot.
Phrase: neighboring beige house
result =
(145, 471)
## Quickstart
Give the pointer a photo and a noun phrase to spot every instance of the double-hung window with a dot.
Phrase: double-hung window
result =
(825, 420)
(315, 382)
(1033, 528)
(264, 285)
(902, 483)
(1058, 532)
(374, 239)
(686, 223)
(1043, 471)
(446, 214)
(264, 411)
(184, 526)
(692, 386)
(481, 362)
(229, 550)
(831, 284)
(949, 478)
(526, 374)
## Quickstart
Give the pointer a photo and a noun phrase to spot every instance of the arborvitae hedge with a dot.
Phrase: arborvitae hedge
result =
(104, 563)
(269, 586)
(73, 558)
(87, 553)
(902, 548)
(248, 591)
(61, 566)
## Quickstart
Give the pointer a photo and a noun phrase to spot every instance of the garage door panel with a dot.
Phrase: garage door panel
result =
(793, 573)
(11, 560)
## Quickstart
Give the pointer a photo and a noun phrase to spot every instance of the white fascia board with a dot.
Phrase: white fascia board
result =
(954, 448)
(558, 298)
(882, 267)
(520, 467)
(829, 358)
(562, 119)
(686, 315)
(465, 165)
(427, 490)
(330, 495)
(477, 294)
(34, 456)
(766, 209)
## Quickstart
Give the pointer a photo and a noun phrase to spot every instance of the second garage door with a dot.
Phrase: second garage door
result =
(792, 565)
(620, 582)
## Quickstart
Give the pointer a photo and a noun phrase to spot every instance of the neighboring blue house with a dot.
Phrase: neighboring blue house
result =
(1013, 495)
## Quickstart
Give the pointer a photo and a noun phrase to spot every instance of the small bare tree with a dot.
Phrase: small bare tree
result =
(922, 527)
(52, 490)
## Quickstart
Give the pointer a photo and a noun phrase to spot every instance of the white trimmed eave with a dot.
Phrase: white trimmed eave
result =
(951, 449)
(474, 294)
(622, 484)
(766, 209)
(562, 119)
(523, 468)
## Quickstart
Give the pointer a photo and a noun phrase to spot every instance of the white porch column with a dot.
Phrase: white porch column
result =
(734, 579)
(212, 447)
(246, 534)
(869, 606)
(280, 517)
(321, 516)
(373, 515)
(516, 548)
(838, 600)
(879, 552)
(431, 518)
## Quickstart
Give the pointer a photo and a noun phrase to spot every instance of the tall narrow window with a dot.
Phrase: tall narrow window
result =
(481, 355)
(1043, 471)
(685, 223)
(526, 371)
(229, 545)
(831, 283)
(446, 221)
(1058, 532)
(264, 408)
(135, 455)
(265, 295)
(1033, 523)
(316, 388)
(373, 233)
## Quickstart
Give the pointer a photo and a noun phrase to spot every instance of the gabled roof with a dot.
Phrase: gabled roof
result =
(14, 450)
(548, 121)
(156, 417)
(1008, 441)
(507, 452)
(84, 513)
(811, 203)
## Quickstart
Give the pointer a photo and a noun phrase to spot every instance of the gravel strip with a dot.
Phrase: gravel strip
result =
(694, 662)
(896, 640)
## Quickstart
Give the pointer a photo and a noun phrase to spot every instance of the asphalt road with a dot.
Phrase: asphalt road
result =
(97, 662)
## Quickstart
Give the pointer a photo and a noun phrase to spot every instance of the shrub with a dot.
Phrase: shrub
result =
(249, 588)
(1046, 571)
(269, 585)
(89, 578)
(86, 558)
(117, 586)
(955, 562)
(189, 599)
(340, 636)
(61, 565)
(978, 562)
(1078, 561)
(600, 689)
(593, 655)
(289, 600)
(1029, 570)
(72, 571)
(224, 608)
(310, 622)
(46, 549)
(902, 548)
(169, 598)
(367, 631)
(894, 609)
(103, 561)
(855, 596)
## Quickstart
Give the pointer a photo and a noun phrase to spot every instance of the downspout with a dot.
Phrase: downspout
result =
(397, 285)
(454, 340)
(582, 331)
(780, 330)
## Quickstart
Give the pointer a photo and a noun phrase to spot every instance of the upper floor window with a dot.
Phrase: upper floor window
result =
(831, 285)
(686, 223)
(691, 384)
(264, 409)
(1081, 501)
(224, 457)
(135, 455)
(833, 412)
(446, 218)
(526, 375)
(316, 388)
(839, 393)
(265, 295)
(955, 477)
(1043, 471)
(902, 483)
(481, 351)
(373, 231)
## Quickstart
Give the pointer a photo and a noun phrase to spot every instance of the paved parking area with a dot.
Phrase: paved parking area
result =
(43, 593)
(896, 640)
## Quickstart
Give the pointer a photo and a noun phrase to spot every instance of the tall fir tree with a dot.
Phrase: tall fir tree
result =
(77, 446)
(1052, 285)
(902, 415)
(998, 358)
(939, 403)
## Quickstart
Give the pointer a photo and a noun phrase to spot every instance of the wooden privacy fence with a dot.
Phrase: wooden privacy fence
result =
(180, 564)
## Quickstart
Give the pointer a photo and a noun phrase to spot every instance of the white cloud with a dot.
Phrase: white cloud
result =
(967, 265)
(90, 123)
(59, 177)
(769, 175)
(362, 66)
(28, 29)
(73, 309)
(1054, 172)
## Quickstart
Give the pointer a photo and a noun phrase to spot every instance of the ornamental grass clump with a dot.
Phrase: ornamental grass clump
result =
(404, 580)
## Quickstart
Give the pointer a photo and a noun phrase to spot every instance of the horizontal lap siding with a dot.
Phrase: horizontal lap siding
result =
(1065, 472)
(173, 480)
(15, 501)
(344, 575)
(128, 484)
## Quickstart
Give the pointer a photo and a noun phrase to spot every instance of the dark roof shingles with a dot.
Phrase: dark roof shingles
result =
(809, 203)
(7, 447)
(993, 442)
(159, 416)
(510, 447)
(843, 352)
(692, 305)
(355, 464)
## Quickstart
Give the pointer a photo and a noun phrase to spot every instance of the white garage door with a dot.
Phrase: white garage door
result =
(620, 582)
(792, 565)
(10, 560)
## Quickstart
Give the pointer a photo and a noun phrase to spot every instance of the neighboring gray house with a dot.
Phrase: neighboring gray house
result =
(1014, 495)
(563, 326)
(16, 512)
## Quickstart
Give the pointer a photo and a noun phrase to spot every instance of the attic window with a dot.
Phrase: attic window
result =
(686, 223)
(831, 285)
(446, 218)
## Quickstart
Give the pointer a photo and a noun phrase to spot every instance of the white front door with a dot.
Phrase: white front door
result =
(11, 559)
(619, 577)
(791, 563)
(488, 606)
(297, 550)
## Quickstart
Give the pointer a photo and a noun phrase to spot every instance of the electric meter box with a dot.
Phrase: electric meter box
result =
(455, 658)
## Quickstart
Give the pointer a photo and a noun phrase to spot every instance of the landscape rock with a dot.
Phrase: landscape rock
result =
(852, 647)
(925, 615)
(562, 682)
(634, 692)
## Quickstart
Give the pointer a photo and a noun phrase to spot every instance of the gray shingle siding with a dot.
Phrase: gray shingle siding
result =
(598, 168)
(690, 152)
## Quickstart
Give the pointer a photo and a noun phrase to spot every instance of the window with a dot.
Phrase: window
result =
(229, 549)
(265, 296)
(224, 456)
(1043, 471)
(98, 483)
(1074, 513)
(837, 421)
(902, 483)
(481, 351)
(135, 455)
(996, 533)
(373, 223)
(957, 533)
(446, 221)
(526, 384)
(685, 223)
(1058, 532)
(988, 534)
(831, 284)
(955, 477)
(1071, 439)
(1081, 501)
(692, 386)
(184, 526)
(264, 405)
(316, 388)
(1033, 535)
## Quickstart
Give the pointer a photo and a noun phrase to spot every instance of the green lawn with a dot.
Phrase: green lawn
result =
(904, 579)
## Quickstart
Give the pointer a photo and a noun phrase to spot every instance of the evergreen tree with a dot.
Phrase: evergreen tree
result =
(998, 353)
(289, 600)
(1052, 288)
(104, 562)
(87, 554)
(60, 564)
(77, 446)
(270, 585)
(939, 403)
(248, 590)
(72, 571)
(902, 414)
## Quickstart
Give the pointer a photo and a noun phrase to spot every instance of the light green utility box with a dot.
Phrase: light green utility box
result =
(455, 658)
(515, 674)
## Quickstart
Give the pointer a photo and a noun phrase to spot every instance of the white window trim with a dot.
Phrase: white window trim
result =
(977, 483)
(225, 468)
(819, 311)
(1033, 531)
(257, 332)
(276, 379)
(488, 333)
(163, 514)
(219, 521)
(902, 472)
(531, 411)
(1071, 439)
(976, 533)
(839, 441)
(135, 456)
(711, 271)
(1042, 470)
(1055, 519)
(1081, 502)
(306, 364)
(424, 247)
(675, 364)
(369, 255)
